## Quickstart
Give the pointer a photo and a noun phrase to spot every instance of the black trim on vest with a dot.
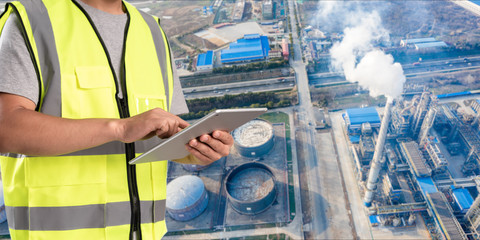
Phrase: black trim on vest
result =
(30, 51)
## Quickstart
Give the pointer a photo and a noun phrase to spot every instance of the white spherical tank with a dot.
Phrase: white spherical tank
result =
(187, 198)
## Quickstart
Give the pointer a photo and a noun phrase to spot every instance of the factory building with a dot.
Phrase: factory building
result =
(443, 215)
(254, 139)
(238, 11)
(187, 198)
(205, 62)
(267, 10)
(250, 48)
(476, 106)
(391, 187)
(411, 42)
(420, 113)
(423, 44)
(415, 159)
(355, 117)
(462, 198)
(437, 157)
(367, 148)
(251, 188)
(473, 217)
(430, 47)
(401, 123)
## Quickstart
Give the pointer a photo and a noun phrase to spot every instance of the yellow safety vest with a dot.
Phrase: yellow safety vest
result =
(93, 193)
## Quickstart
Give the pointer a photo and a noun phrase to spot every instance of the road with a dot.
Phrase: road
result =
(272, 84)
(330, 218)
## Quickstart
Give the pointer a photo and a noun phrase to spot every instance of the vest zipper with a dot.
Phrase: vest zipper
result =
(122, 104)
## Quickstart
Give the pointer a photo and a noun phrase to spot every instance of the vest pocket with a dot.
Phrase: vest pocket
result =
(65, 170)
(144, 102)
(90, 93)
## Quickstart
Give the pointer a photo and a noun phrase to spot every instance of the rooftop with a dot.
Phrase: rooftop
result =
(463, 198)
(205, 59)
(357, 116)
(251, 47)
(419, 40)
(430, 45)
(449, 223)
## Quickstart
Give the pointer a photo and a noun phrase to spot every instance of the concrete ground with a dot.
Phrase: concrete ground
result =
(229, 34)
(339, 226)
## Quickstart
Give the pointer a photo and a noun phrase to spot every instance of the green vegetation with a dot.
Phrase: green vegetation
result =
(201, 107)
(252, 67)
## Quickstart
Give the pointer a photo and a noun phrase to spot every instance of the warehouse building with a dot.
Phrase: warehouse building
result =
(423, 44)
(205, 62)
(249, 48)
(355, 117)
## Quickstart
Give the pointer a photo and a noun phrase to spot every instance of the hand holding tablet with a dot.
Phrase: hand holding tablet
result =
(222, 119)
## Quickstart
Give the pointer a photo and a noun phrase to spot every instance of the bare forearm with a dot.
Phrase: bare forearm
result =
(32, 133)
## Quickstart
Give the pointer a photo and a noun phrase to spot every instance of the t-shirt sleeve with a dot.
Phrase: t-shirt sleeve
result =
(179, 104)
(17, 73)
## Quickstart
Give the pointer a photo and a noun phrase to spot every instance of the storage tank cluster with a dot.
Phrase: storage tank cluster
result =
(254, 138)
(250, 188)
(187, 198)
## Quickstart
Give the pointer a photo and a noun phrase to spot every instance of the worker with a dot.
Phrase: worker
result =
(85, 86)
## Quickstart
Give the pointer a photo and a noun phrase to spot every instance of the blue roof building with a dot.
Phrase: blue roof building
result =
(463, 199)
(205, 61)
(251, 47)
(355, 117)
(427, 185)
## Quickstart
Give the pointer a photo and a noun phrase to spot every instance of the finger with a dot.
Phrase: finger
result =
(207, 151)
(204, 160)
(223, 136)
(182, 123)
(173, 127)
(216, 145)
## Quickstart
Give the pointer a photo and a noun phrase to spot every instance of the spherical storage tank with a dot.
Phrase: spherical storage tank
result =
(254, 138)
(251, 188)
(186, 198)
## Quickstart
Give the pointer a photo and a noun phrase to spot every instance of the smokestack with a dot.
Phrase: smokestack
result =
(377, 156)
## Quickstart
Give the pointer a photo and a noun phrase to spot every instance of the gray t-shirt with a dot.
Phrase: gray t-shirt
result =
(17, 73)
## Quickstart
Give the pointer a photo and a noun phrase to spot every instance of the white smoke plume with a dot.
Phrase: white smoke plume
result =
(363, 63)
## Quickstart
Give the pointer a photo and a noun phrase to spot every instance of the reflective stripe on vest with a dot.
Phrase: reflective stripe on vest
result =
(87, 216)
(74, 76)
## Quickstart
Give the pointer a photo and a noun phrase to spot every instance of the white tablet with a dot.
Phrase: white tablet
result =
(222, 119)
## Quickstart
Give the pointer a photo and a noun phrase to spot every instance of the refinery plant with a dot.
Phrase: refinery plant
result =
(421, 164)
